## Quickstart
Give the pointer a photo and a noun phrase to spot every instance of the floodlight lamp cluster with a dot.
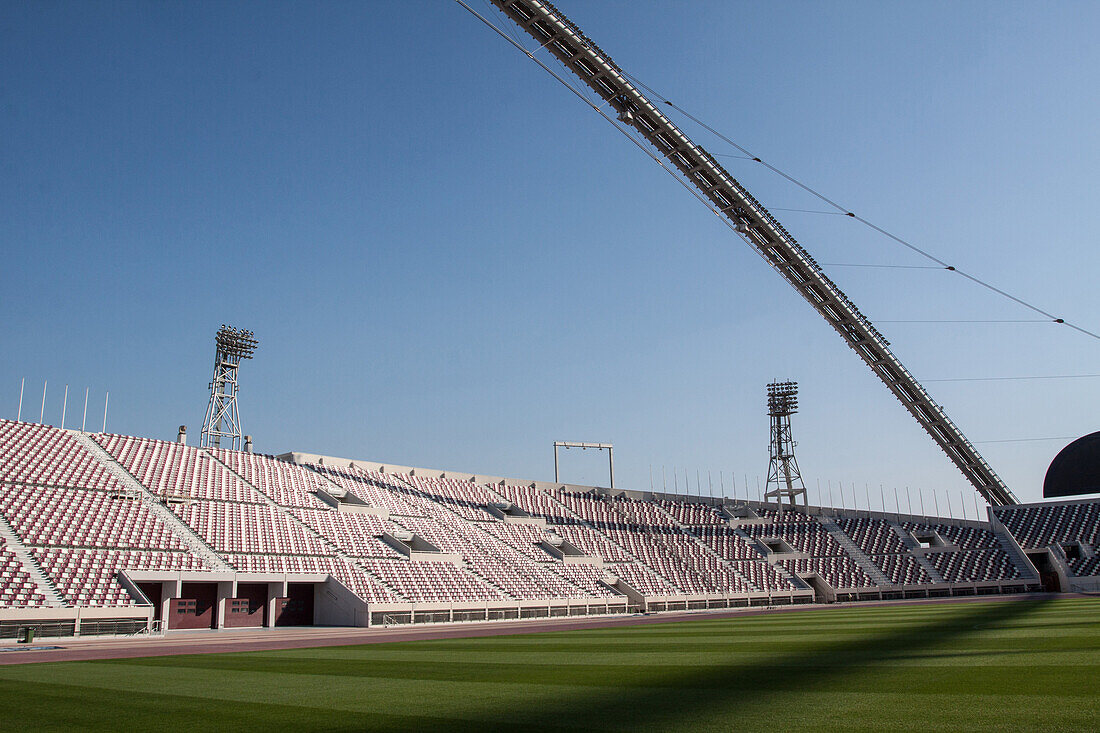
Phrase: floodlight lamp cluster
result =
(782, 398)
(236, 342)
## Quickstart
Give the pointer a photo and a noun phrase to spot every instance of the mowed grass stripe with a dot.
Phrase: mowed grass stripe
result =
(1008, 665)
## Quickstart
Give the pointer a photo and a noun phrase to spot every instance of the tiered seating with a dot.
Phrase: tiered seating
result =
(513, 583)
(431, 581)
(467, 500)
(262, 515)
(592, 508)
(727, 544)
(809, 537)
(692, 514)
(643, 513)
(88, 577)
(839, 572)
(660, 560)
(76, 517)
(536, 503)
(901, 569)
(249, 528)
(523, 537)
(287, 484)
(974, 566)
(967, 538)
(356, 534)
(643, 580)
(1039, 526)
(762, 576)
(873, 536)
(366, 587)
(587, 578)
(39, 454)
(694, 565)
(175, 470)
(591, 542)
(790, 516)
(377, 489)
(16, 587)
(1084, 566)
(517, 574)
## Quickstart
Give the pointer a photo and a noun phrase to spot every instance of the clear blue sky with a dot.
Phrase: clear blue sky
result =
(449, 261)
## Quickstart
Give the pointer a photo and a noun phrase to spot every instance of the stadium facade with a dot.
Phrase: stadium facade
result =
(104, 534)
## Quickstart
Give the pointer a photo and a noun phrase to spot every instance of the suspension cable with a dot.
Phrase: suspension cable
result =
(845, 211)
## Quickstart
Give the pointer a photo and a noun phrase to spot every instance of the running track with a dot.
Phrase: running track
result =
(211, 642)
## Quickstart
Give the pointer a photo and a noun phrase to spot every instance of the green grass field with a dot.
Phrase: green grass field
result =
(1022, 665)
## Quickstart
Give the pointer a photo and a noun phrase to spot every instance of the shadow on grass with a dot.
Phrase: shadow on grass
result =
(828, 666)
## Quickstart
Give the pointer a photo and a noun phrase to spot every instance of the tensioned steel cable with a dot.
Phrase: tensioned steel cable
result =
(846, 212)
(598, 110)
(840, 209)
(1015, 379)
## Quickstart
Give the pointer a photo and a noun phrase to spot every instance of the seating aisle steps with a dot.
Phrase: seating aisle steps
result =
(194, 542)
(854, 551)
(42, 581)
(912, 546)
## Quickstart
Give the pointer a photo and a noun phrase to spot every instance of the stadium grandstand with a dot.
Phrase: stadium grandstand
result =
(103, 534)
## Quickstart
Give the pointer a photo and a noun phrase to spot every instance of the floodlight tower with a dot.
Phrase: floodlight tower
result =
(222, 419)
(784, 480)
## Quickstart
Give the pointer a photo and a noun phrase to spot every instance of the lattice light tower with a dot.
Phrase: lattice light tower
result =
(222, 419)
(784, 479)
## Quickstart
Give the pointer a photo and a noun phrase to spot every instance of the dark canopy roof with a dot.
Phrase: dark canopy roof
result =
(1076, 470)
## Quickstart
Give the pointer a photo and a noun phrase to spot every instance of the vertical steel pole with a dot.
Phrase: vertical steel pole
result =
(909, 500)
(897, 504)
(42, 413)
(64, 406)
(84, 420)
(19, 412)
(106, 399)
(555, 463)
(611, 464)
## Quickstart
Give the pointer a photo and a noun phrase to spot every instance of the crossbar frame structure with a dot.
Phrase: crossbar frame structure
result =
(585, 446)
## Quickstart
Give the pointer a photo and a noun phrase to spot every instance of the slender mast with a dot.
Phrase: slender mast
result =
(561, 37)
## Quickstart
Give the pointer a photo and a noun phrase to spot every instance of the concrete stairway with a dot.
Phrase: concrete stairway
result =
(41, 580)
(706, 548)
(796, 581)
(1027, 569)
(855, 551)
(194, 542)
(911, 544)
(334, 548)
